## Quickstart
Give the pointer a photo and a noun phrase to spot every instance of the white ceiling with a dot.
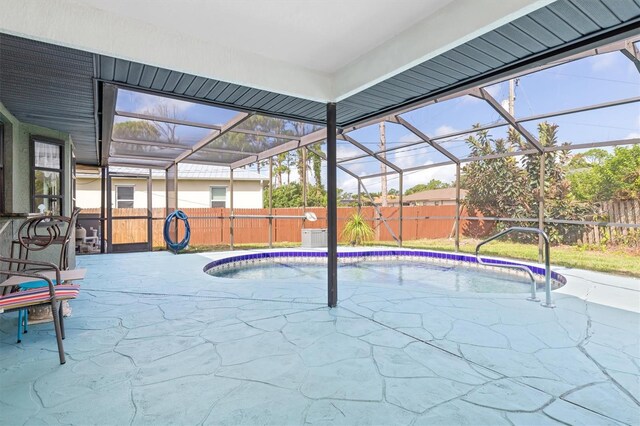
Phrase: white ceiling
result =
(323, 50)
(301, 33)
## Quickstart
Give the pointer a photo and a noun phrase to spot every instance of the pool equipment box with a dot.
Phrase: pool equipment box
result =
(312, 238)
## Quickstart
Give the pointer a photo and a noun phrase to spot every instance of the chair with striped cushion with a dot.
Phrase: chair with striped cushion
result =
(50, 294)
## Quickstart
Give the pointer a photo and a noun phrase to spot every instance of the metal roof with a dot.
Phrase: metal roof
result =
(548, 29)
(52, 86)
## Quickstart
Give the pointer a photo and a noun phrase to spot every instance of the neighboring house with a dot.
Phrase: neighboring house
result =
(198, 186)
(432, 197)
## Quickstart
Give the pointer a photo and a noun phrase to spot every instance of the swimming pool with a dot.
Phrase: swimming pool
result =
(447, 271)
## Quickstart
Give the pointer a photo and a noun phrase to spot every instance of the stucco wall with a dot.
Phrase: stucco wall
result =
(18, 167)
(18, 175)
(191, 193)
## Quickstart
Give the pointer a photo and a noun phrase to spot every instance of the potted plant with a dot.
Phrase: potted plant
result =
(357, 230)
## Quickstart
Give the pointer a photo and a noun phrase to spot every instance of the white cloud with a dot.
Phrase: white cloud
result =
(345, 151)
(144, 103)
(494, 90)
(603, 62)
(444, 129)
(405, 160)
(443, 173)
(348, 184)
(469, 100)
(635, 135)
(408, 138)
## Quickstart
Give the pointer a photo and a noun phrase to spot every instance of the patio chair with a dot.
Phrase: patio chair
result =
(34, 235)
(48, 293)
(40, 232)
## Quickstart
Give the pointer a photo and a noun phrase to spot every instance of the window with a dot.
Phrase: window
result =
(218, 196)
(47, 179)
(124, 196)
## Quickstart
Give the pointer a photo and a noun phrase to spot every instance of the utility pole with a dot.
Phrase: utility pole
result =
(512, 96)
(513, 83)
(383, 167)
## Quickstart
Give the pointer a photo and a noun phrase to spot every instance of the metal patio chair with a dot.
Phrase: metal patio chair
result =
(47, 293)
(40, 232)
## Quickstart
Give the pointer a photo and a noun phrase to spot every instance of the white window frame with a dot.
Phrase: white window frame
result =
(211, 200)
(132, 200)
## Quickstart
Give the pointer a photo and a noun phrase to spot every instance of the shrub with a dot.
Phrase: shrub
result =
(357, 230)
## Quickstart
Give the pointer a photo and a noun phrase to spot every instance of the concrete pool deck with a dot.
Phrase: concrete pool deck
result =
(152, 339)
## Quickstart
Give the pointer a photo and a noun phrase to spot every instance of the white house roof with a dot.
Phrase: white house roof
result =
(444, 194)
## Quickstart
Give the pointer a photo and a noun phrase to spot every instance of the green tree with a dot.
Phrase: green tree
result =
(559, 201)
(432, 184)
(588, 158)
(497, 186)
(345, 197)
(316, 165)
(617, 176)
(136, 129)
(290, 195)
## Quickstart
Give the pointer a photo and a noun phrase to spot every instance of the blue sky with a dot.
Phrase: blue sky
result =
(587, 81)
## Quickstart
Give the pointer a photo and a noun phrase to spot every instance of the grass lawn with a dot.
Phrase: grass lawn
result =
(617, 261)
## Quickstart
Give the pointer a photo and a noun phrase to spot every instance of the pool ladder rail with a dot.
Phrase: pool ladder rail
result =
(547, 263)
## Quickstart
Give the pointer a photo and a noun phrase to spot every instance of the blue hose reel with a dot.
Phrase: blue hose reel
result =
(177, 246)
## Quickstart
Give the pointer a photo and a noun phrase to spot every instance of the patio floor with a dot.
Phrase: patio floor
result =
(152, 339)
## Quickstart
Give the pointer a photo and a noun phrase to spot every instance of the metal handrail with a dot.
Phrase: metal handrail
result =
(547, 263)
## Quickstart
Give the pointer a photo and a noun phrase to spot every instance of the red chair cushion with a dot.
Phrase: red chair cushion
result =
(38, 296)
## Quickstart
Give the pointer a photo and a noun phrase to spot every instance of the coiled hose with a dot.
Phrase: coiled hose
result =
(177, 246)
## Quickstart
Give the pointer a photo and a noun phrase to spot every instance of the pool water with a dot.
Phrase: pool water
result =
(454, 278)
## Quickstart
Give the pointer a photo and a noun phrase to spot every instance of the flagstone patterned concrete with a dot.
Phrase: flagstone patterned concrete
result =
(154, 340)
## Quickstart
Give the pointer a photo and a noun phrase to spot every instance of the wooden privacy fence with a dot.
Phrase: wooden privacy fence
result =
(623, 212)
(210, 226)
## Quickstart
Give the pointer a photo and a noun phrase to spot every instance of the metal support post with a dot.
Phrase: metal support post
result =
(304, 178)
(175, 206)
(109, 215)
(332, 208)
(541, 207)
(231, 209)
(457, 224)
(103, 209)
(401, 184)
(270, 202)
(150, 210)
(359, 196)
